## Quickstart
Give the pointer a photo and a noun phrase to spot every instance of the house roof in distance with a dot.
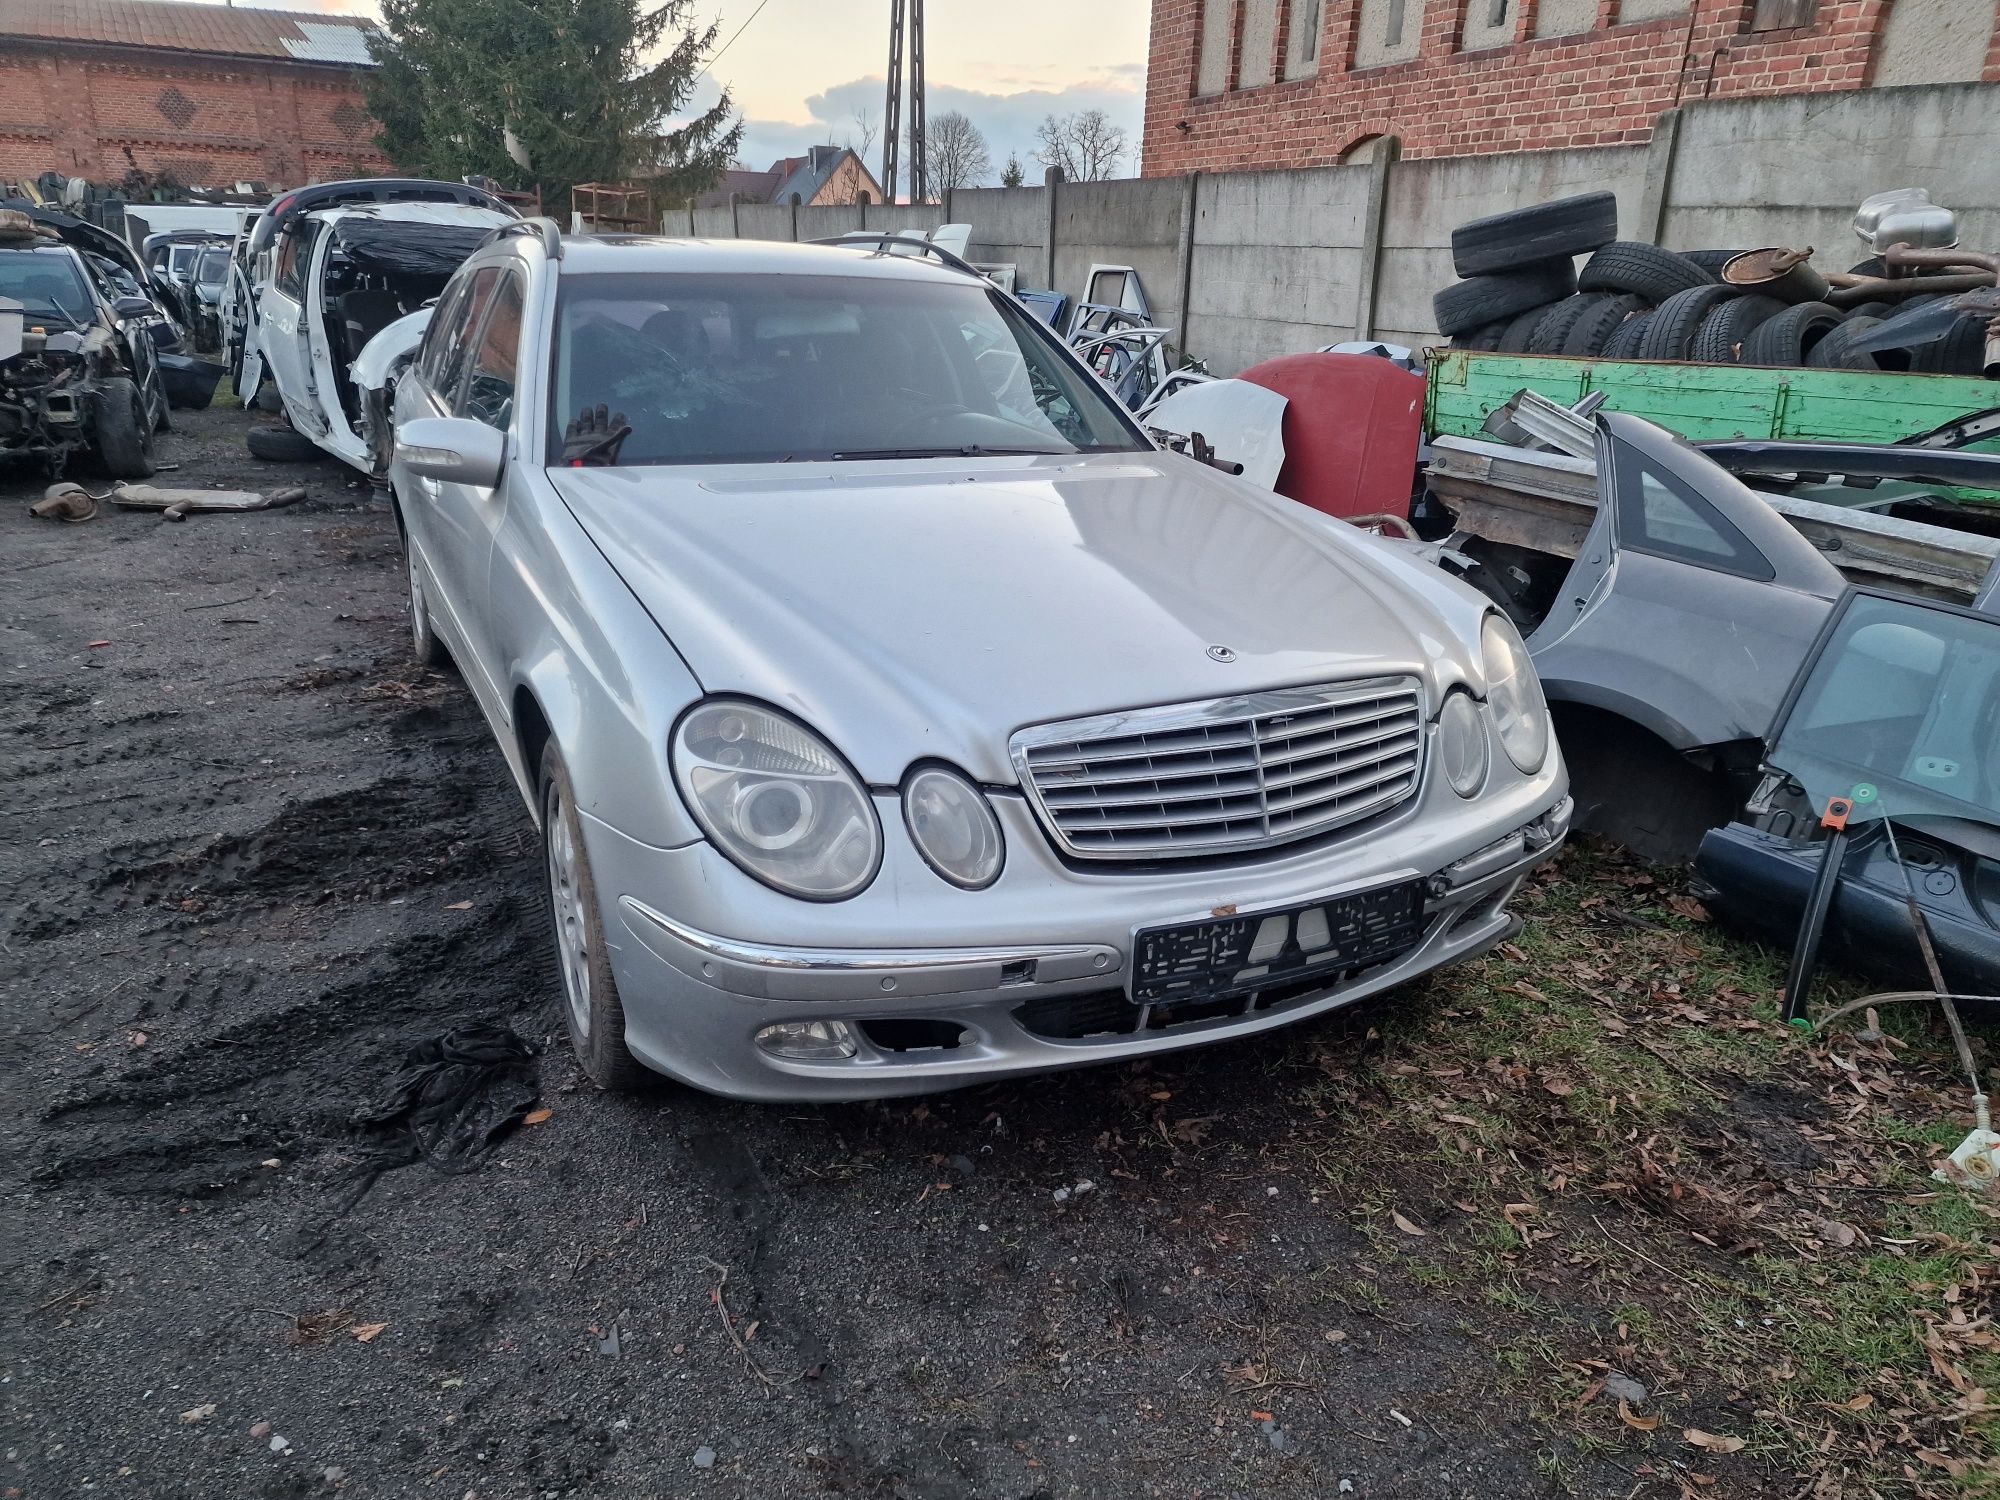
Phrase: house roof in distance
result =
(179, 26)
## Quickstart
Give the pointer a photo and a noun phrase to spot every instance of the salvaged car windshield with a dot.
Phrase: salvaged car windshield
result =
(763, 368)
(1901, 712)
(212, 267)
(46, 282)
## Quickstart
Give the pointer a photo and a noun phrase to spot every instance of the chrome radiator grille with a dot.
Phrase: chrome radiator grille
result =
(1225, 776)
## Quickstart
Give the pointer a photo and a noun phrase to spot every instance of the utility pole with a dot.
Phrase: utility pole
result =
(892, 126)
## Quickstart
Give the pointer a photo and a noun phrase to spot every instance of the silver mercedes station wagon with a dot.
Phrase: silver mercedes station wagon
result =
(896, 714)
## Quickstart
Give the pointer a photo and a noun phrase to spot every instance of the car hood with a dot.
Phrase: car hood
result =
(922, 609)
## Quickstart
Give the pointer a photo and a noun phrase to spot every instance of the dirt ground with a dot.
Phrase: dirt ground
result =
(250, 855)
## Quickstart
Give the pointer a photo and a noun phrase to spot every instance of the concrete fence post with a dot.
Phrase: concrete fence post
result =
(1188, 214)
(795, 218)
(946, 202)
(1053, 181)
(691, 223)
(1661, 156)
(1368, 285)
(735, 225)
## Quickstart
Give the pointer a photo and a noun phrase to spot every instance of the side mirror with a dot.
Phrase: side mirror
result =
(132, 307)
(456, 450)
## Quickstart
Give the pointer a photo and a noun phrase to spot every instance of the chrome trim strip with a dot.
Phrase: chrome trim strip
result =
(854, 960)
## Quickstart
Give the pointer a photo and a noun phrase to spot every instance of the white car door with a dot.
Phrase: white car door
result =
(283, 328)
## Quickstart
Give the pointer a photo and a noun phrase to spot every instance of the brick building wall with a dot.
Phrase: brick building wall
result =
(1475, 76)
(98, 112)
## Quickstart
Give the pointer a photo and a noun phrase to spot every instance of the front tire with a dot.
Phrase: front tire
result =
(123, 431)
(429, 650)
(592, 1011)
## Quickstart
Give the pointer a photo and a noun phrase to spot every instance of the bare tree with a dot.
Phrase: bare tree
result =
(957, 153)
(1086, 145)
(862, 136)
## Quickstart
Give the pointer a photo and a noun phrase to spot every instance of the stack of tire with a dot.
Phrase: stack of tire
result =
(1523, 293)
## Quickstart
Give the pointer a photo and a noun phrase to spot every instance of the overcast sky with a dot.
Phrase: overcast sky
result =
(800, 69)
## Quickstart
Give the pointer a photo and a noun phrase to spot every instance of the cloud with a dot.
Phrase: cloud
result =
(1007, 120)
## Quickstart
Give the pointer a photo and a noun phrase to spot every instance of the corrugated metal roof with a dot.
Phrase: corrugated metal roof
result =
(174, 25)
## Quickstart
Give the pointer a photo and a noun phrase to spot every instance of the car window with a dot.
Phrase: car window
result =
(489, 391)
(437, 332)
(1662, 515)
(755, 368)
(293, 253)
(456, 350)
(45, 281)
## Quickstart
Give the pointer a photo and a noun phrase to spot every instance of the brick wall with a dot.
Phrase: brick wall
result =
(97, 112)
(1600, 86)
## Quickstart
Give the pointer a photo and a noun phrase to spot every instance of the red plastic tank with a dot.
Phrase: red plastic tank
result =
(1352, 426)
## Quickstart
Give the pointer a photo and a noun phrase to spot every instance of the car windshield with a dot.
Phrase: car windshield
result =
(211, 268)
(758, 368)
(1900, 711)
(46, 282)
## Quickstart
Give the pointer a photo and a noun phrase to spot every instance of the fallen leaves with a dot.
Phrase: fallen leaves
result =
(459, 906)
(538, 1116)
(1405, 1225)
(1710, 1442)
(367, 1333)
(198, 1414)
(1633, 1420)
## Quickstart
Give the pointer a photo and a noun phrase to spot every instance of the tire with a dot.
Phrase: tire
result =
(1721, 335)
(1486, 337)
(280, 445)
(1960, 352)
(1525, 236)
(1875, 310)
(1836, 351)
(1789, 337)
(592, 1012)
(424, 644)
(121, 430)
(1521, 330)
(1479, 300)
(1676, 321)
(1711, 261)
(1603, 318)
(1625, 341)
(1643, 270)
(1556, 322)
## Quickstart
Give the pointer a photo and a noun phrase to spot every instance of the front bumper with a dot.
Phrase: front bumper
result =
(695, 1001)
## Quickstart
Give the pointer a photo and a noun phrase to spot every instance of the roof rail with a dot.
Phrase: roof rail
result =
(545, 228)
(883, 242)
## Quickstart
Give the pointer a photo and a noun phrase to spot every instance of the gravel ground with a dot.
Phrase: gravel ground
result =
(252, 855)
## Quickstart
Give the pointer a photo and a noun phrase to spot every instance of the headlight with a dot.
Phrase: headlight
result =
(1514, 694)
(775, 798)
(953, 827)
(1462, 743)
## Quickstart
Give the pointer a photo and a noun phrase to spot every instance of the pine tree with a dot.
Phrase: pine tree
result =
(549, 92)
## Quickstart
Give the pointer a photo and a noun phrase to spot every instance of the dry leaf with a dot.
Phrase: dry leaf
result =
(459, 906)
(1404, 1224)
(1710, 1443)
(1228, 910)
(366, 1333)
(1633, 1420)
(1263, 1416)
(538, 1116)
(199, 1413)
(1334, 1335)
(1161, 1096)
(1687, 906)
(1858, 1403)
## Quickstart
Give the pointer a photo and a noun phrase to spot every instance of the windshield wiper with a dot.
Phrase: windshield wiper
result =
(964, 450)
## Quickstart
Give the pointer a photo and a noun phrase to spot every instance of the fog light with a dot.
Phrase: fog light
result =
(809, 1041)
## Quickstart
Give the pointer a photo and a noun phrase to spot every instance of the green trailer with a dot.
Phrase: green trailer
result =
(1709, 403)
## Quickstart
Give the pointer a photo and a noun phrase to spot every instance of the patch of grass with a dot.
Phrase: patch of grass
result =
(1638, 1162)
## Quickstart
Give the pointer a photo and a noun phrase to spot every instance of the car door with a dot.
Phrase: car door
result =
(283, 334)
(1692, 601)
(445, 532)
(469, 517)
